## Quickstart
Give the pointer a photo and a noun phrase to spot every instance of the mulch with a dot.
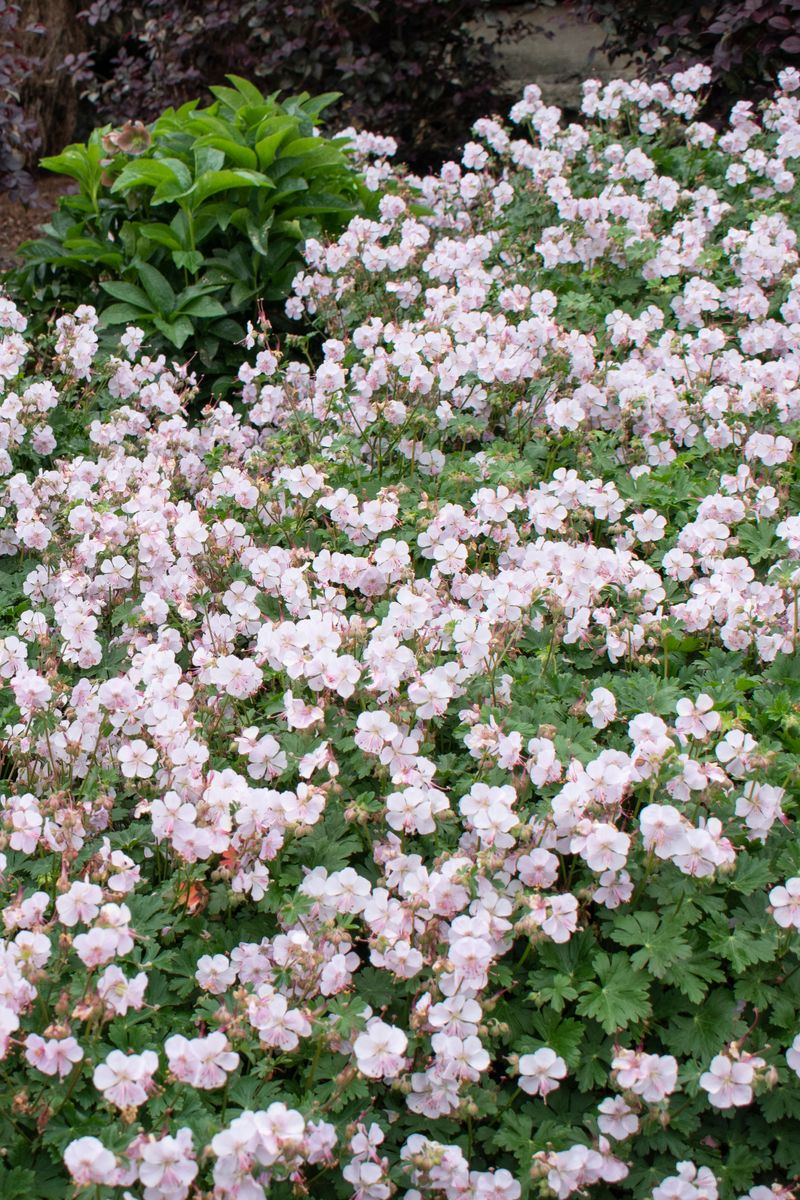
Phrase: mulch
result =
(20, 221)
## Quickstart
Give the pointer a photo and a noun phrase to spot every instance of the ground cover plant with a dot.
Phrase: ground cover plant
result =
(399, 762)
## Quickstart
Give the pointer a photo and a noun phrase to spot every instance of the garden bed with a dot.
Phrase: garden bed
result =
(399, 755)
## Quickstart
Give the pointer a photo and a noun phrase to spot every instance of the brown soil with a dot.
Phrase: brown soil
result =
(19, 221)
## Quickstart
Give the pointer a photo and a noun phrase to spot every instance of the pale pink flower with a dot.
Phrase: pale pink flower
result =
(119, 993)
(728, 1082)
(601, 708)
(88, 1162)
(617, 1118)
(541, 1072)
(9, 1024)
(793, 1055)
(380, 1050)
(125, 1079)
(52, 1056)
(137, 759)
(785, 903)
(167, 1167)
(203, 1062)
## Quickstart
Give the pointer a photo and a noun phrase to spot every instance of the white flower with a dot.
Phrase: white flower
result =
(380, 1050)
(124, 1079)
(728, 1082)
(88, 1162)
(137, 759)
(785, 904)
(541, 1073)
(602, 707)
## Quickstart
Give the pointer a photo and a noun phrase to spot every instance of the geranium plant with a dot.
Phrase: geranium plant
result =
(400, 761)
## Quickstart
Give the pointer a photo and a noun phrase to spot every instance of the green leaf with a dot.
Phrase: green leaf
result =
(661, 941)
(170, 177)
(198, 289)
(289, 187)
(16, 1184)
(515, 1135)
(752, 873)
(646, 691)
(563, 1036)
(79, 162)
(710, 1026)
(213, 182)
(692, 977)
(319, 148)
(228, 96)
(317, 104)
(551, 988)
(330, 844)
(177, 331)
(207, 158)
(164, 235)
(191, 260)
(242, 292)
(238, 153)
(258, 232)
(267, 148)
(202, 306)
(123, 314)
(620, 995)
(227, 330)
(91, 248)
(251, 1092)
(759, 542)
(321, 202)
(744, 947)
(246, 89)
(128, 292)
(158, 289)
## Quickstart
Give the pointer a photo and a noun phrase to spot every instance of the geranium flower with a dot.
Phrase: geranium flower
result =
(541, 1072)
(125, 1079)
(380, 1050)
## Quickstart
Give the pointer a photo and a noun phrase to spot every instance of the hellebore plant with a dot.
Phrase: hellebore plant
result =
(188, 225)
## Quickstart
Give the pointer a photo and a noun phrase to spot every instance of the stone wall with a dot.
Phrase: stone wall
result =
(548, 46)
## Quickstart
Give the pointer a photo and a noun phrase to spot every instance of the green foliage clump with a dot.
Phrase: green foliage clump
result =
(184, 228)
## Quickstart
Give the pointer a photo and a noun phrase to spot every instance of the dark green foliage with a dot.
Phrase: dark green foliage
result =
(185, 230)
